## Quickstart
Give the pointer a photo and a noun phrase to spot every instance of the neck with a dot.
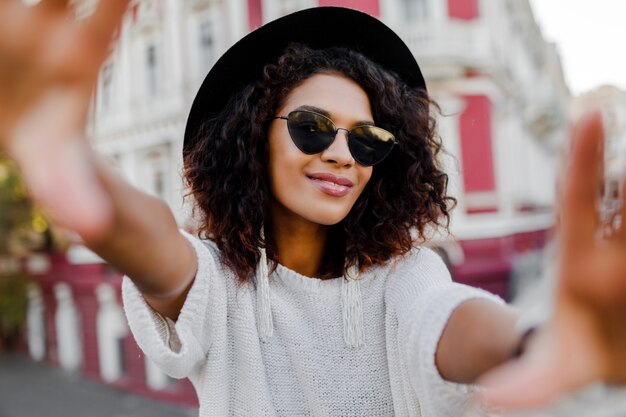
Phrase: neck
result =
(300, 243)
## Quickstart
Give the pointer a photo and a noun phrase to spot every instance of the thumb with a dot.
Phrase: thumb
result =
(68, 188)
(520, 385)
(57, 165)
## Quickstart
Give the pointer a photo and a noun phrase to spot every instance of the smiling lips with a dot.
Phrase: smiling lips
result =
(330, 184)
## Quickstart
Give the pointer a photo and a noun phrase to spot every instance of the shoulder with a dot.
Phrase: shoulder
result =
(211, 245)
(413, 274)
(209, 256)
(421, 263)
(202, 246)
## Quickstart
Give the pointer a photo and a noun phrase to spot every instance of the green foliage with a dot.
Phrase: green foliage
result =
(15, 210)
(13, 307)
(22, 228)
(16, 217)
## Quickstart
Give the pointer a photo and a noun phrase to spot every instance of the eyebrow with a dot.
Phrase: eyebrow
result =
(327, 114)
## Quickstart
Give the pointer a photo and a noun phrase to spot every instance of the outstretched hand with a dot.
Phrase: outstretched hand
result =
(49, 65)
(585, 340)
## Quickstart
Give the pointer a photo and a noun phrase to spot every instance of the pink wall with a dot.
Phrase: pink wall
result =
(489, 262)
(476, 148)
(255, 14)
(255, 9)
(463, 9)
(368, 6)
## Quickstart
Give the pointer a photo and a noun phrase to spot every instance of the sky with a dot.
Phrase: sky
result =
(591, 38)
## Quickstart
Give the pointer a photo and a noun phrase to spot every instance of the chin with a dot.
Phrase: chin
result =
(327, 218)
(313, 209)
(327, 222)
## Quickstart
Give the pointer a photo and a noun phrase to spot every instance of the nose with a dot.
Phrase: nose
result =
(338, 152)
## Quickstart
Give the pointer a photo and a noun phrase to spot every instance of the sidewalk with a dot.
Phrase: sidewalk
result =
(29, 389)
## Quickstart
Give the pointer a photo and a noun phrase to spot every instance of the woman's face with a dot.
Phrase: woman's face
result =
(319, 188)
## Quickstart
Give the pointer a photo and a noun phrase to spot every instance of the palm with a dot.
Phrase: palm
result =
(47, 76)
(585, 341)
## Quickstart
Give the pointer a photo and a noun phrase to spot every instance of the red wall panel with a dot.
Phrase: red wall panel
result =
(488, 264)
(368, 6)
(255, 14)
(463, 9)
(476, 149)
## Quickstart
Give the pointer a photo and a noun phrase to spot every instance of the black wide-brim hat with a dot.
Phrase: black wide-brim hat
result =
(318, 28)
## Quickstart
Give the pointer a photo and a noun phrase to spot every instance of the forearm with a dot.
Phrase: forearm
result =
(143, 242)
(479, 336)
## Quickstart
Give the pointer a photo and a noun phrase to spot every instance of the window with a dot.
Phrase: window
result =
(156, 167)
(414, 10)
(207, 45)
(151, 70)
(158, 182)
(107, 81)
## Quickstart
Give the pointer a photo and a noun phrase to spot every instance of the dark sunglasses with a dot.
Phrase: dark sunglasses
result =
(312, 133)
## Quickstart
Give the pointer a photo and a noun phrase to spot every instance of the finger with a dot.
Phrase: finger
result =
(73, 195)
(520, 386)
(74, 53)
(107, 17)
(16, 28)
(582, 180)
(53, 5)
(93, 39)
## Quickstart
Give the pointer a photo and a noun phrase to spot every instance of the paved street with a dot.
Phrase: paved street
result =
(29, 389)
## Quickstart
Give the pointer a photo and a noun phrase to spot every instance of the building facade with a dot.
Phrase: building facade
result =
(499, 84)
(504, 107)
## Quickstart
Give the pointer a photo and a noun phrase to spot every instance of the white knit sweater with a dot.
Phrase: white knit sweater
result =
(305, 368)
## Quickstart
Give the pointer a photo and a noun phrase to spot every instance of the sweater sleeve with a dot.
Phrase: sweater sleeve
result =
(178, 348)
(421, 324)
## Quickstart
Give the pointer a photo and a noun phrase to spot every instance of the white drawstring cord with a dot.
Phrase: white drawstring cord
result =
(351, 304)
(265, 324)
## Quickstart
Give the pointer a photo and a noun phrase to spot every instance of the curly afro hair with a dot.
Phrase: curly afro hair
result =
(226, 169)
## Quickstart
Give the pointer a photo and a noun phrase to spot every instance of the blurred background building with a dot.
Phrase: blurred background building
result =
(499, 83)
(505, 116)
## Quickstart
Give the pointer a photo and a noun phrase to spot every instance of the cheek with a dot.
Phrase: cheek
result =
(365, 177)
(276, 159)
(285, 162)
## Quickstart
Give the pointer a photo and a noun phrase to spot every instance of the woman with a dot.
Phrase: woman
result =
(314, 168)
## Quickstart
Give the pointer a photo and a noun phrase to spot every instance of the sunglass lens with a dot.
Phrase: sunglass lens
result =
(369, 144)
(310, 132)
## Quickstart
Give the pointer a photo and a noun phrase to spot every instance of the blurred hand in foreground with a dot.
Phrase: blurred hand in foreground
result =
(585, 340)
(49, 65)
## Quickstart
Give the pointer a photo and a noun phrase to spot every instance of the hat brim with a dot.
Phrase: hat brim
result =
(319, 28)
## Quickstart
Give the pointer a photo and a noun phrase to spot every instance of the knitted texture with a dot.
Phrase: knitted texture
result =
(305, 367)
